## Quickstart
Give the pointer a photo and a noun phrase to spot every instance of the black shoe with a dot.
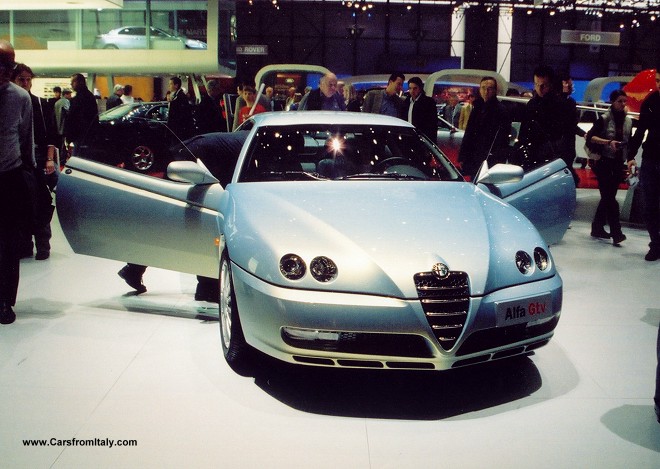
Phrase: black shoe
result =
(657, 412)
(42, 255)
(618, 238)
(206, 295)
(134, 281)
(7, 315)
(652, 255)
(600, 233)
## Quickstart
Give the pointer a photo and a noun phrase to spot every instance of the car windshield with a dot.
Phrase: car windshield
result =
(344, 152)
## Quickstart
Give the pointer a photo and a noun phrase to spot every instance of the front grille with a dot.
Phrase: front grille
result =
(445, 302)
(503, 336)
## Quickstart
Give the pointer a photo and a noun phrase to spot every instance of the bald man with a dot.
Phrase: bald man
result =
(325, 97)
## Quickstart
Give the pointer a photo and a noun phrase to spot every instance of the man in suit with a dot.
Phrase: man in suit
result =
(387, 101)
(180, 117)
(421, 109)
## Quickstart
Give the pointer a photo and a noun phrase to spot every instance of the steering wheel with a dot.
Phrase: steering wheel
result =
(386, 163)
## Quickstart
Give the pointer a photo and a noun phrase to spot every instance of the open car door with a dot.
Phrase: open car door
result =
(118, 214)
(545, 195)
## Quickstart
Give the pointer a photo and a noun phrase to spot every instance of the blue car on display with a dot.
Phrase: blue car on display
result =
(342, 240)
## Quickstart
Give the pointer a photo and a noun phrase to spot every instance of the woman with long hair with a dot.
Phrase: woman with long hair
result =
(609, 137)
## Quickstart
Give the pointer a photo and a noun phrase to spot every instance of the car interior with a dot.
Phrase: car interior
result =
(309, 153)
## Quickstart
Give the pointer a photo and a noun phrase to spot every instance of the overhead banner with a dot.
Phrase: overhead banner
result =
(591, 38)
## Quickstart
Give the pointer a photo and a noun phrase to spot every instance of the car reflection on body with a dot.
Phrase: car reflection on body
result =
(449, 138)
(132, 135)
(135, 37)
(343, 240)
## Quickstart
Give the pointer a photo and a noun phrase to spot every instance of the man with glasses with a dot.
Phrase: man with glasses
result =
(16, 164)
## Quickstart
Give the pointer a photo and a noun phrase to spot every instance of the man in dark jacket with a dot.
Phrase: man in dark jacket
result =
(487, 132)
(115, 99)
(649, 177)
(180, 116)
(209, 114)
(83, 114)
(45, 175)
(544, 123)
(325, 97)
(421, 110)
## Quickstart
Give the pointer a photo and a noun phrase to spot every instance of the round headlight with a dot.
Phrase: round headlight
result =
(323, 269)
(524, 262)
(292, 267)
(541, 258)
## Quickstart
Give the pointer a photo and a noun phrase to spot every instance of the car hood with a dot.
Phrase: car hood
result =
(379, 233)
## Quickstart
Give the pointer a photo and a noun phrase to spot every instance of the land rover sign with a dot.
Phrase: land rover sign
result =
(255, 49)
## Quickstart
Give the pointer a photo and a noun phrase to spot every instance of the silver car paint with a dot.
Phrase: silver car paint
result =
(266, 309)
(109, 212)
(131, 217)
(423, 223)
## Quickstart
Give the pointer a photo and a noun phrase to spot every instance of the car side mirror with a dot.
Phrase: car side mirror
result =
(190, 172)
(499, 174)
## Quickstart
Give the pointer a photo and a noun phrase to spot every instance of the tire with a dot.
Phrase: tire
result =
(235, 349)
(141, 158)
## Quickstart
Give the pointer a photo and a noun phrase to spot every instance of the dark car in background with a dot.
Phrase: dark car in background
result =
(134, 136)
(135, 37)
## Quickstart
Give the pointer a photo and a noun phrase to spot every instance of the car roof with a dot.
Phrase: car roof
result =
(133, 26)
(326, 117)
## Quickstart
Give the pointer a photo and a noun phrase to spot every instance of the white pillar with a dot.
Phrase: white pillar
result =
(504, 33)
(458, 35)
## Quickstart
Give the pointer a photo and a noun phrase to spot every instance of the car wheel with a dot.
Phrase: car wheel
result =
(234, 347)
(141, 158)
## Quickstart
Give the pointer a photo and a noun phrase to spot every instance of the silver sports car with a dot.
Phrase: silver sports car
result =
(343, 240)
(135, 37)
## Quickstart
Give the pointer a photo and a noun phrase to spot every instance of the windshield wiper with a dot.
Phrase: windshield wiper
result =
(394, 175)
(290, 175)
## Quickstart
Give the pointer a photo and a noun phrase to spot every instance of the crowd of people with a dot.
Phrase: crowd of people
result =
(35, 130)
(548, 130)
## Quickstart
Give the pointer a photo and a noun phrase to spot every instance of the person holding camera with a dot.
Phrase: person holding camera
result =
(609, 137)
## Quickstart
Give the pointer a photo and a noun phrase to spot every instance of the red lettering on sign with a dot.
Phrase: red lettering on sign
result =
(536, 308)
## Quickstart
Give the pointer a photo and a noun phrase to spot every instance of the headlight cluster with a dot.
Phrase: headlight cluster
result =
(322, 268)
(526, 266)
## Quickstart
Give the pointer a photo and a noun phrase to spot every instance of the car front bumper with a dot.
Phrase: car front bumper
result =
(366, 331)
